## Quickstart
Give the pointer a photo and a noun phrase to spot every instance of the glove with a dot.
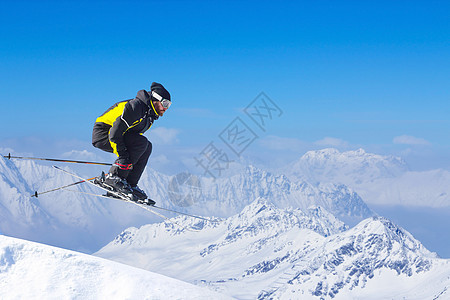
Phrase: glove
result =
(123, 163)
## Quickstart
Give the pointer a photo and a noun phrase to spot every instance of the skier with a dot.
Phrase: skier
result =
(119, 130)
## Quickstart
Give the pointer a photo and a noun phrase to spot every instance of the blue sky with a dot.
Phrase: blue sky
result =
(348, 74)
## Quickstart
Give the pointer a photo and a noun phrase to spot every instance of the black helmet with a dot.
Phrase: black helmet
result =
(161, 92)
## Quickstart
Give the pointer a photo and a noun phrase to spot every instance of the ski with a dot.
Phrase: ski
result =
(123, 198)
(153, 206)
(186, 214)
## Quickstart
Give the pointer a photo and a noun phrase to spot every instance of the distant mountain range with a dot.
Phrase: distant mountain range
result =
(224, 197)
(377, 179)
(266, 252)
(85, 223)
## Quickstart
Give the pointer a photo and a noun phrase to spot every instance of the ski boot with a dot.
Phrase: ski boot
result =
(141, 196)
(116, 185)
(138, 193)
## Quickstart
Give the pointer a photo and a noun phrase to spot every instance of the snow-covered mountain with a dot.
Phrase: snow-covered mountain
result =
(374, 260)
(294, 244)
(85, 223)
(377, 179)
(351, 166)
(268, 252)
(224, 197)
(34, 271)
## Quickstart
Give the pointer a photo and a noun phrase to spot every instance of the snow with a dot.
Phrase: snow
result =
(225, 197)
(377, 179)
(265, 251)
(283, 235)
(30, 270)
(61, 218)
(86, 223)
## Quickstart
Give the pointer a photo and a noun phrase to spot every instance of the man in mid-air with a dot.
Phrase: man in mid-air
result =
(120, 130)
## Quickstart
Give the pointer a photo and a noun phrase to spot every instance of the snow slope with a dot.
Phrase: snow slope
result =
(34, 271)
(377, 179)
(268, 252)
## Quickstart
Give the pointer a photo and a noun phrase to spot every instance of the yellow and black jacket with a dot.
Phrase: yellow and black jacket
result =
(135, 115)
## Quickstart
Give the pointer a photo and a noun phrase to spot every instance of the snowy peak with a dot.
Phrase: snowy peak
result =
(378, 179)
(330, 164)
(392, 234)
(360, 256)
(263, 216)
(258, 209)
(324, 222)
(320, 157)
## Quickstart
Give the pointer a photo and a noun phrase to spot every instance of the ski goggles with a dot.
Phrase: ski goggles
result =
(164, 102)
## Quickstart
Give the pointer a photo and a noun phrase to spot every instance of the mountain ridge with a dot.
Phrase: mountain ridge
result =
(276, 252)
(85, 223)
(378, 179)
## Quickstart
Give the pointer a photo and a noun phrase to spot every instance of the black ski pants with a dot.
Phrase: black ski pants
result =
(139, 149)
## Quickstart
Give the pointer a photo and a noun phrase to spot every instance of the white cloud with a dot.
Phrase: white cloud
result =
(410, 140)
(279, 143)
(160, 159)
(163, 135)
(330, 141)
(76, 154)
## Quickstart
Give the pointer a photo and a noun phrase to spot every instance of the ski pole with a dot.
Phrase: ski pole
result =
(59, 160)
(60, 188)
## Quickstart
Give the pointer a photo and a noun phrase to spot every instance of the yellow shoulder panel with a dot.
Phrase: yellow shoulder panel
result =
(111, 115)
